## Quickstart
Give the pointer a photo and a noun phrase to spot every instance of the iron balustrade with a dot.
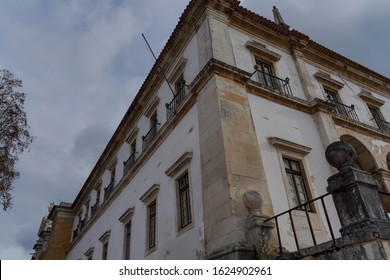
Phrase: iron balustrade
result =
(305, 207)
(383, 125)
(75, 232)
(82, 224)
(344, 110)
(94, 208)
(108, 190)
(129, 163)
(149, 137)
(174, 105)
(272, 82)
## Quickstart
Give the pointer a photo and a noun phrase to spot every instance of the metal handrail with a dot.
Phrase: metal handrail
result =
(272, 82)
(174, 105)
(129, 163)
(108, 190)
(304, 206)
(149, 137)
(383, 125)
(94, 208)
(344, 110)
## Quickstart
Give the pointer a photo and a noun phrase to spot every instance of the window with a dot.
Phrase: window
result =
(185, 216)
(152, 224)
(104, 240)
(296, 183)
(180, 86)
(113, 175)
(292, 159)
(331, 95)
(150, 200)
(378, 119)
(152, 133)
(180, 173)
(127, 240)
(104, 251)
(125, 219)
(265, 74)
(339, 107)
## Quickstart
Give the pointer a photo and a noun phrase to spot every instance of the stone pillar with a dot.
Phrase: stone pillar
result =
(260, 233)
(356, 197)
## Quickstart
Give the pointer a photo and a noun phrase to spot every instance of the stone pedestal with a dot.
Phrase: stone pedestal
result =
(356, 197)
(260, 233)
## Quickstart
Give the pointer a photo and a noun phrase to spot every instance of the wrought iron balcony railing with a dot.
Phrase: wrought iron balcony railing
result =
(82, 224)
(174, 105)
(272, 82)
(344, 110)
(129, 163)
(108, 190)
(75, 232)
(94, 208)
(383, 125)
(149, 137)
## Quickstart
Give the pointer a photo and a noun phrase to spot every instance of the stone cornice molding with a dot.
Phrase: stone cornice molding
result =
(105, 236)
(132, 135)
(261, 51)
(367, 97)
(179, 164)
(126, 216)
(289, 146)
(327, 81)
(150, 194)
(177, 70)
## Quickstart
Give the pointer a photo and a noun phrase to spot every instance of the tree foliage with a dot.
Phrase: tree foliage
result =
(14, 133)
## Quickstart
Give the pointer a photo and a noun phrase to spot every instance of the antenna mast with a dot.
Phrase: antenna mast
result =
(146, 41)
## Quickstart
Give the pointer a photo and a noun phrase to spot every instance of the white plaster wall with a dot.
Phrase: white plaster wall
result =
(183, 139)
(274, 120)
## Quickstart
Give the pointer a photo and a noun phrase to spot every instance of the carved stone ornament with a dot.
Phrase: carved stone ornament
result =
(340, 155)
(254, 201)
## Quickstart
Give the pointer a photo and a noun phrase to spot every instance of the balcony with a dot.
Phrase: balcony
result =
(344, 110)
(272, 82)
(94, 208)
(149, 137)
(108, 190)
(128, 163)
(82, 224)
(383, 126)
(75, 232)
(174, 105)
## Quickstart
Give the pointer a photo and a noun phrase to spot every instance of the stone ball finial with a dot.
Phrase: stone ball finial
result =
(254, 201)
(340, 155)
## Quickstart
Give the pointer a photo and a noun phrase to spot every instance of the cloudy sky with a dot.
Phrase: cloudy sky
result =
(83, 61)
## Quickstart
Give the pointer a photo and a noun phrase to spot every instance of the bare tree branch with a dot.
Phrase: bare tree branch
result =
(15, 137)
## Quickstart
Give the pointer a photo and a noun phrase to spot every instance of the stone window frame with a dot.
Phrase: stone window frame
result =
(89, 253)
(176, 171)
(148, 198)
(296, 152)
(126, 219)
(373, 104)
(260, 52)
(177, 74)
(104, 239)
(329, 84)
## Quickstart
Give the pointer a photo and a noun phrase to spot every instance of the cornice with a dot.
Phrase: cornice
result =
(361, 128)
